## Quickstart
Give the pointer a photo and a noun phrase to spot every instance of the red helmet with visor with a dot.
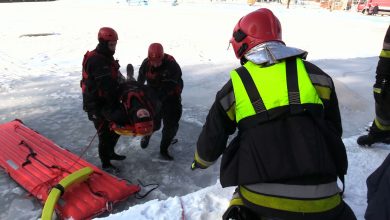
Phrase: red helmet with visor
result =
(155, 54)
(255, 28)
(107, 34)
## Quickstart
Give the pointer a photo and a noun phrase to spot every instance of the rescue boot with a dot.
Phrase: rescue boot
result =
(375, 135)
(174, 141)
(145, 141)
(115, 156)
(165, 143)
(369, 139)
(239, 212)
(109, 168)
(165, 155)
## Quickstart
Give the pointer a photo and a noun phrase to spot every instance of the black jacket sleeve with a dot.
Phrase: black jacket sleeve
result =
(332, 113)
(142, 72)
(330, 101)
(106, 87)
(218, 127)
(172, 82)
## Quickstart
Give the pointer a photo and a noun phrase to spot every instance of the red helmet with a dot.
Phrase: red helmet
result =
(255, 28)
(107, 34)
(156, 53)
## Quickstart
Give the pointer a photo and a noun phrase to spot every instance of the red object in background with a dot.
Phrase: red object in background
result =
(365, 6)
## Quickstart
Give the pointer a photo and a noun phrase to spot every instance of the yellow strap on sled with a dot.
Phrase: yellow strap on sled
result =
(55, 193)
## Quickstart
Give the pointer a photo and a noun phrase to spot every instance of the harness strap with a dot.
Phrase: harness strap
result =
(251, 89)
(293, 87)
(31, 154)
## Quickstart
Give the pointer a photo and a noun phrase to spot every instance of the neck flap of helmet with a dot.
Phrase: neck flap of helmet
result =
(272, 52)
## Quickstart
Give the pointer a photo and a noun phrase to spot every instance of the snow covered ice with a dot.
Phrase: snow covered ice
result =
(39, 84)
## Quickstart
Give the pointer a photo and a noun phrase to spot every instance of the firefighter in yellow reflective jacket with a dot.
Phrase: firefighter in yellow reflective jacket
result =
(380, 128)
(288, 152)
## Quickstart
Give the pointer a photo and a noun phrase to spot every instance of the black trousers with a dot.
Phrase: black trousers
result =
(169, 114)
(107, 140)
(382, 107)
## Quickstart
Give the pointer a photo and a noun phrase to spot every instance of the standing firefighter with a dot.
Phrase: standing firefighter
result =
(100, 86)
(380, 128)
(288, 151)
(163, 75)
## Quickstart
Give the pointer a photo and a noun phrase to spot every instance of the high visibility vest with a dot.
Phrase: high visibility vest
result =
(258, 89)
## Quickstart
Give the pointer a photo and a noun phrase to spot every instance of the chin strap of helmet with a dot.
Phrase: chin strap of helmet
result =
(242, 49)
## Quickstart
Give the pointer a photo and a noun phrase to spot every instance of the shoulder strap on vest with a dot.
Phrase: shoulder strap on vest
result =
(251, 89)
(292, 86)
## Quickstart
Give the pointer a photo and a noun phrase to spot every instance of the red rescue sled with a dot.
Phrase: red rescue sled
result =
(38, 164)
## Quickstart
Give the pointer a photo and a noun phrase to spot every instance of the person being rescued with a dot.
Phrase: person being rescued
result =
(137, 106)
(114, 105)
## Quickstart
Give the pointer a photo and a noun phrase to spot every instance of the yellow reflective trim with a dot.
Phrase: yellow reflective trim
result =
(377, 90)
(291, 205)
(323, 92)
(201, 161)
(236, 201)
(385, 54)
(381, 127)
(231, 113)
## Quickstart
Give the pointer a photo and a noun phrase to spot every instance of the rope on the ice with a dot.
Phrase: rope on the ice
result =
(138, 195)
(48, 184)
(87, 147)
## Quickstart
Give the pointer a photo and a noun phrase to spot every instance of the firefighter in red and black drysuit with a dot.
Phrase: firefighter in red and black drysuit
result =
(100, 86)
(288, 152)
(163, 75)
(380, 128)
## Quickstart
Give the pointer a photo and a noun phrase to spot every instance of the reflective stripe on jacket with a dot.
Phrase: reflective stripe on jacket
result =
(315, 205)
